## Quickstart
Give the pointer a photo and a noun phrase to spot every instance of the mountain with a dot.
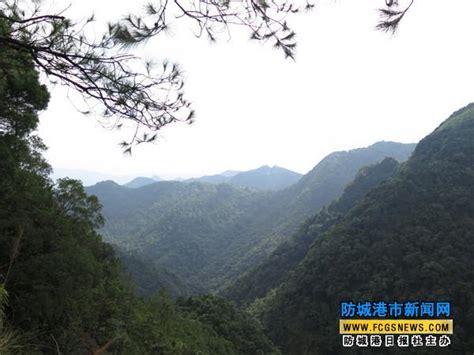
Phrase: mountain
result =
(263, 178)
(287, 209)
(150, 278)
(182, 227)
(257, 282)
(140, 181)
(230, 173)
(327, 180)
(266, 178)
(410, 238)
(208, 235)
(88, 177)
(211, 179)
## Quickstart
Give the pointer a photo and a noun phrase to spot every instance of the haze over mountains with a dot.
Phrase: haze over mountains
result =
(140, 181)
(207, 234)
(262, 178)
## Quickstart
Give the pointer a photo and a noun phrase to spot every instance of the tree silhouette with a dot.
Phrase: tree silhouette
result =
(392, 14)
(121, 86)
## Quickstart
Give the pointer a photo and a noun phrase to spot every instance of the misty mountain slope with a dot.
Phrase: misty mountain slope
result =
(327, 180)
(285, 211)
(266, 178)
(180, 226)
(257, 282)
(411, 238)
(208, 235)
(263, 178)
(212, 179)
(140, 182)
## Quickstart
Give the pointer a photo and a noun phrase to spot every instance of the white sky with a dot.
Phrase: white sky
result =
(349, 87)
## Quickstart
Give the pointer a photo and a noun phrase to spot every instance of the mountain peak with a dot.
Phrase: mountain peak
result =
(106, 183)
(266, 178)
(230, 173)
(140, 181)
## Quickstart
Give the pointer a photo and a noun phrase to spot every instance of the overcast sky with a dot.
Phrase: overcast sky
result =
(349, 87)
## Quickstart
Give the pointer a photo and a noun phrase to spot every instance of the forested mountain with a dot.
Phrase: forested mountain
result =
(215, 179)
(182, 227)
(140, 181)
(206, 234)
(263, 178)
(411, 238)
(149, 276)
(266, 178)
(257, 282)
(88, 178)
(285, 211)
(327, 180)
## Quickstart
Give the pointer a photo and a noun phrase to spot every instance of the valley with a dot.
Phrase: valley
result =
(208, 234)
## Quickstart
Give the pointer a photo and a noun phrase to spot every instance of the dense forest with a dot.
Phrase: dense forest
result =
(263, 178)
(268, 275)
(409, 238)
(206, 234)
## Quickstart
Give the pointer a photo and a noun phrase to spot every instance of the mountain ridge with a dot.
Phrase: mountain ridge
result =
(268, 275)
(262, 178)
(210, 234)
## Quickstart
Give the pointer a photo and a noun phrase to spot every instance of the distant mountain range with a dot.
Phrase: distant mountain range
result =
(141, 181)
(89, 178)
(263, 178)
(217, 178)
(208, 234)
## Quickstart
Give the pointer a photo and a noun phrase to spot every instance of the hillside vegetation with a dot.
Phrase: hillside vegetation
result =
(268, 275)
(264, 178)
(207, 235)
(411, 238)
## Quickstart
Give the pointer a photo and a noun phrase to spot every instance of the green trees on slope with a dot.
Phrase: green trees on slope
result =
(63, 281)
(271, 273)
(208, 235)
(410, 238)
(239, 328)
